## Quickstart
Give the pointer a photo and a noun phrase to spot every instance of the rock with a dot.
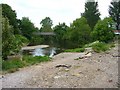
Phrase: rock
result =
(88, 55)
(76, 74)
(80, 72)
(66, 70)
(81, 57)
(110, 81)
(100, 56)
(57, 77)
(98, 69)
(63, 65)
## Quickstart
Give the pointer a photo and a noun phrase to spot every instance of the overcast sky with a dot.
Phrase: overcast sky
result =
(58, 10)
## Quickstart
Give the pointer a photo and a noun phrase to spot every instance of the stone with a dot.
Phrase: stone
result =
(63, 65)
(57, 77)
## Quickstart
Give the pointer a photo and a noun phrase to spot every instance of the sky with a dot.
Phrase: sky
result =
(58, 10)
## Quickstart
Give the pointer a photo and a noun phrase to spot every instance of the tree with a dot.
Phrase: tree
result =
(46, 25)
(114, 11)
(60, 30)
(7, 37)
(27, 28)
(12, 17)
(11, 43)
(103, 30)
(91, 13)
(79, 33)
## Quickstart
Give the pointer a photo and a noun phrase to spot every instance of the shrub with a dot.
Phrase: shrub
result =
(103, 30)
(99, 47)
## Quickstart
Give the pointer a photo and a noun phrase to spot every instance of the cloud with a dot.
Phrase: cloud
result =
(58, 10)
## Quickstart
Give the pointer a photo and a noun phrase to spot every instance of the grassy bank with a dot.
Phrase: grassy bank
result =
(14, 65)
(96, 46)
(75, 50)
(102, 47)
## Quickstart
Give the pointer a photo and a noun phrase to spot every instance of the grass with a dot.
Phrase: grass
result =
(100, 47)
(14, 65)
(75, 50)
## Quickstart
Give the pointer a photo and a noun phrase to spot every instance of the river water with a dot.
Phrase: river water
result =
(50, 51)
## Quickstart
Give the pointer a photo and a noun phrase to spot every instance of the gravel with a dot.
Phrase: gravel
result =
(100, 70)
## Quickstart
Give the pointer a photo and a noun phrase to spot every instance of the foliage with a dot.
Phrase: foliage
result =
(7, 38)
(46, 25)
(91, 13)
(27, 28)
(99, 47)
(36, 40)
(75, 50)
(60, 30)
(103, 30)
(14, 65)
(10, 43)
(114, 11)
(78, 34)
(18, 42)
(30, 60)
(90, 44)
(11, 15)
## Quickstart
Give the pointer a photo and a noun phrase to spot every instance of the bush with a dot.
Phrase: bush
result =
(75, 50)
(103, 30)
(99, 47)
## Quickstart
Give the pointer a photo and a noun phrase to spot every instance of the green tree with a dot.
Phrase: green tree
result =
(91, 13)
(12, 17)
(79, 33)
(46, 25)
(114, 11)
(7, 37)
(103, 30)
(60, 31)
(11, 43)
(27, 28)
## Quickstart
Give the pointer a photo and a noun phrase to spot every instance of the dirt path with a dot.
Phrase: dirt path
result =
(97, 71)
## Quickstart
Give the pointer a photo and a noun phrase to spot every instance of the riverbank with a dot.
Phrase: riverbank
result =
(100, 70)
(34, 47)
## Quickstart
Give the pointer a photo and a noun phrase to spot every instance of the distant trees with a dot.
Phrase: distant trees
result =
(103, 30)
(60, 31)
(78, 34)
(46, 25)
(27, 28)
(114, 11)
(91, 13)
